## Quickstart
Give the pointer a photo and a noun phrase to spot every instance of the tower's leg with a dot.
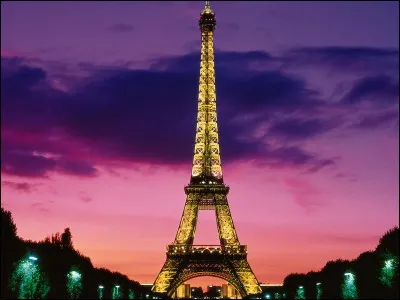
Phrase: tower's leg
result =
(226, 229)
(167, 276)
(187, 227)
(245, 275)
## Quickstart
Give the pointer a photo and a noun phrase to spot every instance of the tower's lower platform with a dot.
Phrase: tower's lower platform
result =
(185, 262)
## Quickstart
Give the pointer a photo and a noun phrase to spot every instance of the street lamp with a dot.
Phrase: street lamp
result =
(388, 271)
(100, 291)
(389, 263)
(116, 292)
(74, 283)
(349, 288)
(75, 274)
(300, 292)
(319, 290)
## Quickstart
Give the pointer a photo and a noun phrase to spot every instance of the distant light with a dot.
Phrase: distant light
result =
(117, 286)
(75, 274)
(101, 287)
(300, 287)
(33, 258)
(389, 263)
(349, 274)
(318, 283)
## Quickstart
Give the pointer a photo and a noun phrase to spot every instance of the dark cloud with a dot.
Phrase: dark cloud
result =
(297, 129)
(224, 61)
(344, 59)
(381, 89)
(26, 97)
(120, 27)
(294, 157)
(377, 120)
(21, 186)
(149, 115)
(25, 164)
(80, 168)
(24, 161)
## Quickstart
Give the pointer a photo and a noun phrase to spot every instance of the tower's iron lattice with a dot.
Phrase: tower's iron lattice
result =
(206, 190)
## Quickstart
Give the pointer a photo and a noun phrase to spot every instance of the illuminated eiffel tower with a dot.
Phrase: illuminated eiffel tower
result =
(206, 191)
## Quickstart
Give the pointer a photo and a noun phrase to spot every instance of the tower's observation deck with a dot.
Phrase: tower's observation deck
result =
(207, 18)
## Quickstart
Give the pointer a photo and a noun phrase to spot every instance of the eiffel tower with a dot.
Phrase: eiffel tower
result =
(206, 191)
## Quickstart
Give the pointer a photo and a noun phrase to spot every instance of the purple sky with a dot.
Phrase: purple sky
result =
(98, 123)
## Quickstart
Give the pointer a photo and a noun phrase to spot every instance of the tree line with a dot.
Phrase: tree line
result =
(53, 269)
(372, 275)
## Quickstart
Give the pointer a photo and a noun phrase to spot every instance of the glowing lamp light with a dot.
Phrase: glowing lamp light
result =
(318, 283)
(117, 286)
(75, 274)
(301, 287)
(389, 263)
(101, 287)
(34, 258)
(348, 274)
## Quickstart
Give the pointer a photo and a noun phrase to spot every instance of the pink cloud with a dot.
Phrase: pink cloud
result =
(305, 194)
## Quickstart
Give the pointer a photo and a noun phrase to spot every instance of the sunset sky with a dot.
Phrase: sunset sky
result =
(98, 111)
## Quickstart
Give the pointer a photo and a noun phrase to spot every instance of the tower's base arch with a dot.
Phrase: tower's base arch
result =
(231, 266)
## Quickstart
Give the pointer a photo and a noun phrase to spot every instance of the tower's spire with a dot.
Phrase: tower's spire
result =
(207, 8)
(207, 160)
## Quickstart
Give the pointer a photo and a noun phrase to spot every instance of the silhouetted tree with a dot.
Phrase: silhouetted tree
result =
(8, 227)
(333, 277)
(388, 249)
(57, 258)
(56, 239)
(389, 242)
(291, 284)
(366, 268)
(66, 239)
(11, 251)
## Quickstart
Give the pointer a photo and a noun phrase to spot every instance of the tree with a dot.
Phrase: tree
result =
(389, 242)
(8, 227)
(56, 239)
(66, 239)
